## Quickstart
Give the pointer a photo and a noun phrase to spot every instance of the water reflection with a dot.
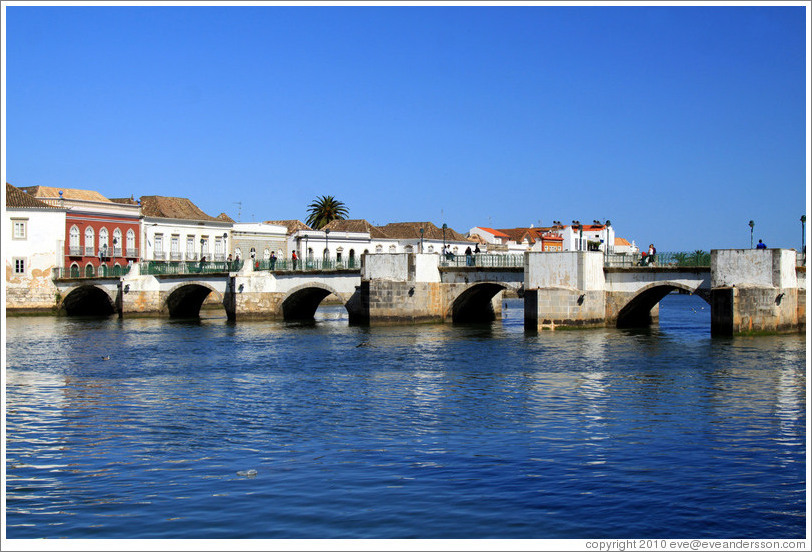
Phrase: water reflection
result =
(431, 430)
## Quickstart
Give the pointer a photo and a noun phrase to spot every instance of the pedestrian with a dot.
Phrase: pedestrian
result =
(468, 258)
(273, 260)
(761, 245)
(652, 252)
(229, 261)
(476, 249)
(294, 258)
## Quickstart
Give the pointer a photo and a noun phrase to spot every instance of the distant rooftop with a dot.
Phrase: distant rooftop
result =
(15, 197)
(50, 192)
(173, 207)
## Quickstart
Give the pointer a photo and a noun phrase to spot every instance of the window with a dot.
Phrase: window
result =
(190, 244)
(117, 245)
(378, 249)
(130, 243)
(267, 254)
(20, 229)
(103, 239)
(19, 266)
(89, 237)
(89, 270)
(159, 243)
(75, 245)
(392, 249)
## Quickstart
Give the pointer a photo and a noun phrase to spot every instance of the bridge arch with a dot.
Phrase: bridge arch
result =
(301, 302)
(88, 300)
(474, 304)
(637, 311)
(184, 300)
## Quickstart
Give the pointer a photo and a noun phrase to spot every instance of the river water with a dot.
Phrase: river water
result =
(274, 430)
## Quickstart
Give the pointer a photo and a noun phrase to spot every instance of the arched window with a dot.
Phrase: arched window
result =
(378, 249)
(392, 249)
(89, 237)
(409, 249)
(352, 258)
(117, 245)
(267, 254)
(130, 243)
(102, 269)
(253, 252)
(431, 249)
(75, 244)
(103, 239)
(89, 270)
(74, 269)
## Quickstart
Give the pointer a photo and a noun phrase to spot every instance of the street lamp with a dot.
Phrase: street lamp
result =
(327, 244)
(115, 242)
(751, 224)
(444, 227)
(307, 251)
(202, 241)
(421, 240)
(803, 236)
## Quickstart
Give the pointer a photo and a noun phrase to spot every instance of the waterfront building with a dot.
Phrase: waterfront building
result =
(101, 236)
(623, 247)
(292, 241)
(257, 240)
(33, 247)
(489, 235)
(412, 236)
(175, 229)
(351, 238)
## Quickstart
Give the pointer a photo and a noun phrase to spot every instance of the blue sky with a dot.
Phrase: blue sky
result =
(679, 124)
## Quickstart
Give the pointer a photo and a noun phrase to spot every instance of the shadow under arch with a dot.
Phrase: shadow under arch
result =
(301, 302)
(88, 300)
(474, 304)
(185, 300)
(637, 312)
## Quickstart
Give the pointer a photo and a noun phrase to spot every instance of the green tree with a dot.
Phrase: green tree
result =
(324, 210)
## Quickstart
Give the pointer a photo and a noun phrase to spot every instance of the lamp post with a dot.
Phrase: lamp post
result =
(225, 245)
(306, 251)
(327, 245)
(751, 224)
(803, 236)
(113, 261)
(444, 227)
(202, 241)
(421, 240)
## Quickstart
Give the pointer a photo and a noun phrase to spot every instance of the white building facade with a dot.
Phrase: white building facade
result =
(33, 248)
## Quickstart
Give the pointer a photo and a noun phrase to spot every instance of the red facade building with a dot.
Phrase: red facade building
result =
(101, 236)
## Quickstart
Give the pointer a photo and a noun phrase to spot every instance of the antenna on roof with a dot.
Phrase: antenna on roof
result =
(239, 210)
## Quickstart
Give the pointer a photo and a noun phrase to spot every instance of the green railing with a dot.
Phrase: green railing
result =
(309, 265)
(665, 259)
(483, 260)
(164, 268)
(90, 271)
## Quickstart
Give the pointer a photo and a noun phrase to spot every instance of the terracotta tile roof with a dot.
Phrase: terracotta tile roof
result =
(491, 231)
(15, 197)
(67, 193)
(291, 225)
(621, 241)
(411, 230)
(225, 218)
(173, 207)
(358, 225)
(124, 200)
(519, 234)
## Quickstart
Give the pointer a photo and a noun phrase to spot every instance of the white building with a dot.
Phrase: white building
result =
(425, 237)
(257, 240)
(33, 247)
(175, 229)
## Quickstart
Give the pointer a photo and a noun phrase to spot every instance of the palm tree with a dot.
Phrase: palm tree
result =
(324, 210)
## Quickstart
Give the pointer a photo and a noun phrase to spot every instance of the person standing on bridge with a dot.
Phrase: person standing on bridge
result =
(761, 245)
(468, 257)
(294, 258)
(273, 259)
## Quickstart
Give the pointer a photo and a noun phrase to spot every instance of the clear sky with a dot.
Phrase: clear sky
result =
(679, 124)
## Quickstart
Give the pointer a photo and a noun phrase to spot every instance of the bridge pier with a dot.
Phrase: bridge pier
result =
(756, 291)
(564, 289)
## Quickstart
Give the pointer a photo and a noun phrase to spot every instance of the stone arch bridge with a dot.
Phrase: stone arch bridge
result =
(748, 290)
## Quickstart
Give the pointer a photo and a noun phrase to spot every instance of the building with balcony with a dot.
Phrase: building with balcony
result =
(175, 229)
(33, 247)
(101, 236)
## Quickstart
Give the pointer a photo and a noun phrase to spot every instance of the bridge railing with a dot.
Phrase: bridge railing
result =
(308, 265)
(669, 258)
(159, 268)
(89, 271)
(487, 260)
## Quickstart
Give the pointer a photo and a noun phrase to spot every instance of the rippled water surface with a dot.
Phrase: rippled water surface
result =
(274, 430)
